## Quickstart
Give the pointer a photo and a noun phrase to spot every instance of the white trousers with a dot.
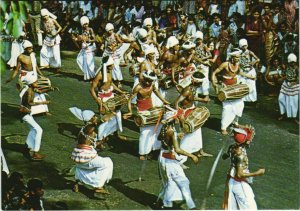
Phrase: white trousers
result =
(34, 137)
(50, 56)
(240, 196)
(231, 110)
(95, 173)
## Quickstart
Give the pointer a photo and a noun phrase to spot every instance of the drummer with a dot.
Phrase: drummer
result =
(103, 83)
(27, 64)
(170, 59)
(192, 142)
(234, 108)
(143, 91)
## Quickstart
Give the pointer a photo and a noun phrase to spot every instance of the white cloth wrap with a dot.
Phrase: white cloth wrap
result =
(231, 109)
(289, 99)
(191, 142)
(86, 61)
(148, 139)
(240, 196)
(107, 128)
(95, 173)
(252, 96)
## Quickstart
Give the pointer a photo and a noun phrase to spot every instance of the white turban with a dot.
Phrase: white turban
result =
(188, 45)
(147, 75)
(45, 12)
(29, 78)
(148, 21)
(27, 44)
(236, 52)
(85, 115)
(199, 35)
(172, 41)
(84, 20)
(149, 50)
(243, 42)
(142, 33)
(109, 27)
(292, 58)
(23, 34)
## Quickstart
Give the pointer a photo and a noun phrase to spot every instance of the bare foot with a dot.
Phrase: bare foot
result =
(280, 118)
(297, 121)
(101, 190)
(224, 132)
(76, 188)
(143, 157)
(48, 114)
(122, 138)
(204, 154)
(184, 166)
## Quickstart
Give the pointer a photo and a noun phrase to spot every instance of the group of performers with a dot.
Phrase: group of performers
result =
(155, 69)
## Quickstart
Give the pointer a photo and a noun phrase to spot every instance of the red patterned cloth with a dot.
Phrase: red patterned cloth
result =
(144, 104)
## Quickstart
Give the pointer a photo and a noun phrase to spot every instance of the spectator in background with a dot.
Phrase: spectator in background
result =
(254, 32)
(34, 196)
(215, 28)
(35, 22)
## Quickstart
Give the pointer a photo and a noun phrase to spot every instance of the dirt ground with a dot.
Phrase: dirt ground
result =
(275, 147)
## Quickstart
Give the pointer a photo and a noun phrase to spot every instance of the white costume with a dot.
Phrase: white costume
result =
(249, 70)
(240, 196)
(38, 97)
(231, 110)
(148, 139)
(3, 162)
(16, 50)
(50, 52)
(117, 55)
(34, 137)
(175, 185)
(289, 93)
(92, 169)
(85, 58)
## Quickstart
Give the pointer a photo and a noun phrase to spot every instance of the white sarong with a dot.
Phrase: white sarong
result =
(240, 196)
(16, 50)
(191, 142)
(175, 183)
(231, 109)
(86, 61)
(96, 172)
(38, 109)
(148, 139)
(107, 128)
(252, 96)
(50, 52)
(289, 99)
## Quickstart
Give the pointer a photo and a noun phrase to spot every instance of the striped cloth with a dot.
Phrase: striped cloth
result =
(83, 154)
(288, 89)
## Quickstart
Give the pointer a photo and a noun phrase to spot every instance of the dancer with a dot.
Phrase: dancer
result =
(50, 52)
(247, 67)
(232, 109)
(174, 181)
(238, 192)
(91, 169)
(85, 58)
(289, 94)
(28, 65)
(143, 91)
(103, 83)
(191, 142)
(34, 137)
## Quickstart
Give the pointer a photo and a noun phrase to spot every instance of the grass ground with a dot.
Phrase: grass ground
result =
(276, 147)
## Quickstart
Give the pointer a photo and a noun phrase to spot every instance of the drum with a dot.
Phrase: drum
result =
(43, 85)
(236, 91)
(195, 119)
(149, 117)
(117, 101)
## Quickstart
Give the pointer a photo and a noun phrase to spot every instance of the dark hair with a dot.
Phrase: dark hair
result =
(34, 184)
